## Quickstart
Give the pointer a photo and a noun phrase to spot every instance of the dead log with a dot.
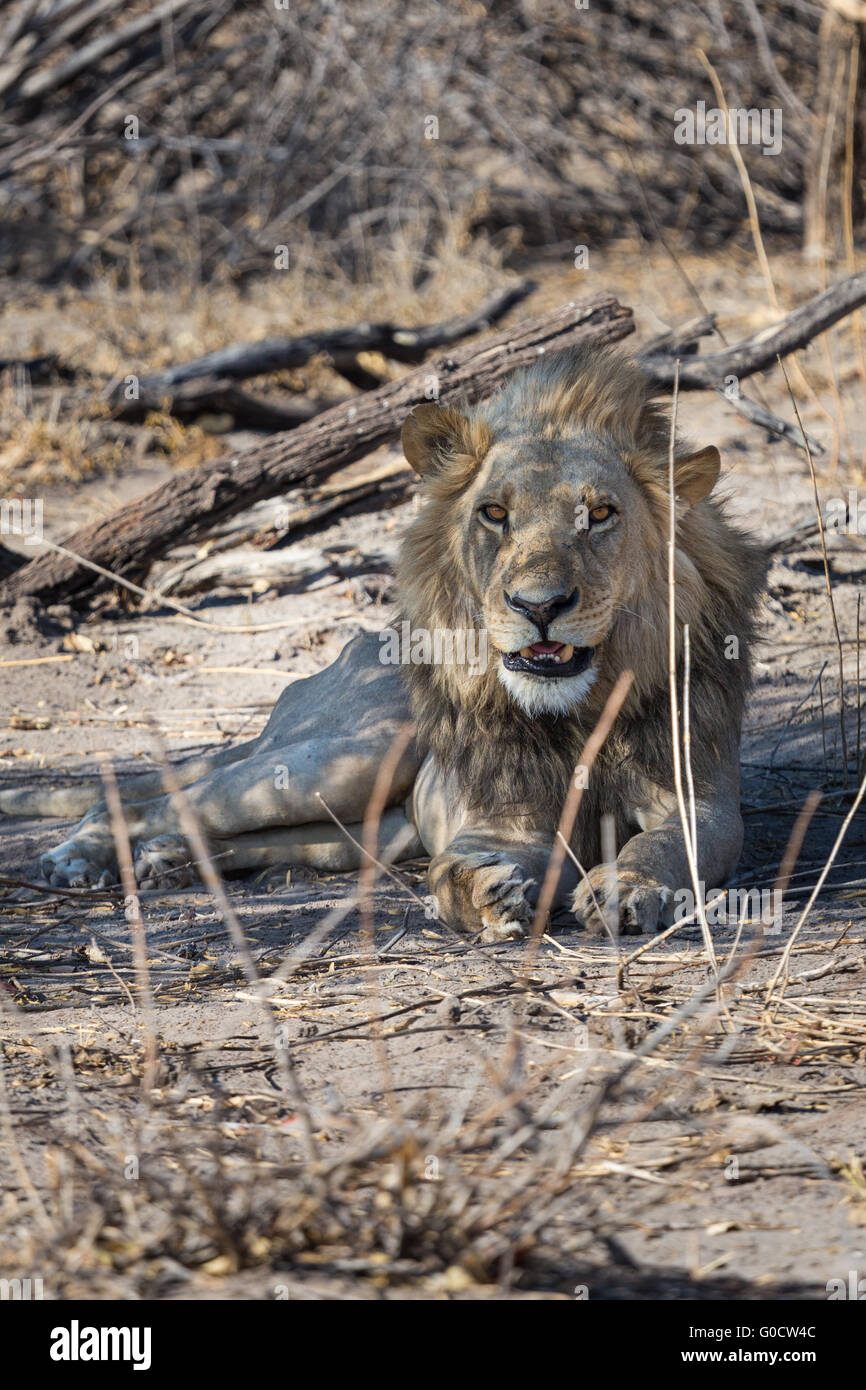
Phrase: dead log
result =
(278, 521)
(383, 486)
(213, 372)
(130, 539)
(760, 351)
(683, 341)
(221, 396)
(244, 568)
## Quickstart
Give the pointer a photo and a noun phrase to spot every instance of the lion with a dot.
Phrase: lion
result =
(542, 534)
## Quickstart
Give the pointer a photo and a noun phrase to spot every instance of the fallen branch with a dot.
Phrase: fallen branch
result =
(278, 520)
(129, 540)
(684, 342)
(214, 372)
(246, 568)
(760, 351)
(773, 424)
(243, 567)
(221, 396)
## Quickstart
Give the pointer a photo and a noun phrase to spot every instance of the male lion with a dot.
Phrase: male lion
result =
(543, 527)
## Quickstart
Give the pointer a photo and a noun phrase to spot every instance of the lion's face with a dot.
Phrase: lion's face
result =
(545, 523)
(551, 530)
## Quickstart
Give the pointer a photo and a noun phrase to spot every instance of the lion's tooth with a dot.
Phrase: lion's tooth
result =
(565, 653)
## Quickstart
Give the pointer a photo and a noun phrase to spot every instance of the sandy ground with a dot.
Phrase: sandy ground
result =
(730, 1170)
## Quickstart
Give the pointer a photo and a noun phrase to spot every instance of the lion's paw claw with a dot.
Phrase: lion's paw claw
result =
(629, 907)
(76, 864)
(499, 895)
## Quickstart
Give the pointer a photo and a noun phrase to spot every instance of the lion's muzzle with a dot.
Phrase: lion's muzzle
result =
(541, 612)
(550, 660)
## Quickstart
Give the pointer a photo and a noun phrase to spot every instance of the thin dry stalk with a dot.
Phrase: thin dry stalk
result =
(132, 908)
(195, 838)
(841, 422)
(743, 172)
(608, 860)
(588, 881)
(382, 865)
(859, 694)
(831, 859)
(302, 953)
(687, 736)
(848, 206)
(823, 724)
(656, 940)
(367, 879)
(791, 717)
(795, 842)
(372, 819)
(16, 1158)
(687, 817)
(827, 136)
(591, 749)
(757, 237)
(827, 579)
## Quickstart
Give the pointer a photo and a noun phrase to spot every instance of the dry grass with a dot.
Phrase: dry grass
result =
(143, 1190)
(255, 125)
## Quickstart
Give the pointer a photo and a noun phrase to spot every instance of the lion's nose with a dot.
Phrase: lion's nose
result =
(541, 611)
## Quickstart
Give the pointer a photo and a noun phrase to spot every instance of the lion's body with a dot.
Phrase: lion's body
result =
(545, 511)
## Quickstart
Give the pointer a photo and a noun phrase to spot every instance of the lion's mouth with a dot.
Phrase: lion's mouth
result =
(555, 659)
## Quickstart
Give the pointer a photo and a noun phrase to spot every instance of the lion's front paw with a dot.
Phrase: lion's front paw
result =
(499, 897)
(630, 907)
(80, 863)
(163, 862)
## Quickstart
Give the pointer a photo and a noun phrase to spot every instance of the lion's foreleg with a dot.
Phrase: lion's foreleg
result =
(319, 846)
(487, 881)
(166, 860)
(653, 867)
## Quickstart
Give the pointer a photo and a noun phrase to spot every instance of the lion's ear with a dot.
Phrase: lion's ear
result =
(695, 475)
(431, 431)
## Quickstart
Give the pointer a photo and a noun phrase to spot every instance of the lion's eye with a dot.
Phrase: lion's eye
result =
(600, 513)
(493, 512)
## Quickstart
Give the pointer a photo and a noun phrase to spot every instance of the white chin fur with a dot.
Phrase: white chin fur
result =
(546, 695)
